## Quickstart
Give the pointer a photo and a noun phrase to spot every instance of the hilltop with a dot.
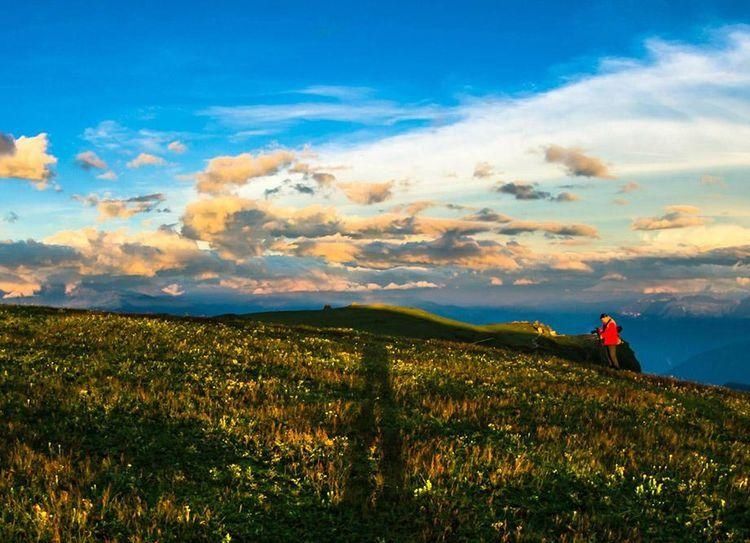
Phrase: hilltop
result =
(133, 428)
(397, 321)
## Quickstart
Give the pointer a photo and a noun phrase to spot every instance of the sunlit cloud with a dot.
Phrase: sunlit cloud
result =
(224, 173)
(367, 193)
(676, 216)
(28, 159)
(146, 159)
(89, 160)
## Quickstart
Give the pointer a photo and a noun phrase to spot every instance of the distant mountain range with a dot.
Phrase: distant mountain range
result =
(699, 305)
(726, 365)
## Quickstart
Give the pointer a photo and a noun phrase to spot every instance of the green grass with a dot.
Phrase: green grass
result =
(120, 428)
(410, 322)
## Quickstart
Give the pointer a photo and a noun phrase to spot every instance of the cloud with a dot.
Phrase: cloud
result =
(712, 181)
(107, 176)
(177, 147)
(414, 208)
(240, 228)
(89, 160)
(345, 109)
(112, 136)
(496, 281)
(173, 289)
(676, 216)
(303, 189)
(482, 170)
(550, 228)
(614, 277)
(226, 172)
(576, 163)
(628, 187)
(528, 191)
(146, 159)
(367, 193)
(112, 208)
(120, 252)
(566, 197)
(29, 161)
(324, 179)
(449, 249)
(522, 191)
(488, 215)
(7, 144)
(10, 217)
(525, 282)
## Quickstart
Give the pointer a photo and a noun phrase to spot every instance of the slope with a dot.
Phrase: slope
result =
(125, 428)
(415, 323)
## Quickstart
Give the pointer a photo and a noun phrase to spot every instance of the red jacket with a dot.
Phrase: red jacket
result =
(609, 334)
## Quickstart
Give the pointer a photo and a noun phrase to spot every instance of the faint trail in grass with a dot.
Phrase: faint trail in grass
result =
(376, 429)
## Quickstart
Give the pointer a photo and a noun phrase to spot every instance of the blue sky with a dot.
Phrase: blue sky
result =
(473, 152)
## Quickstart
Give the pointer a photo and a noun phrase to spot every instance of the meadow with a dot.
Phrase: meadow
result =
(143, 429)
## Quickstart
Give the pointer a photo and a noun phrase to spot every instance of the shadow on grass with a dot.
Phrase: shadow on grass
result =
(375, 487)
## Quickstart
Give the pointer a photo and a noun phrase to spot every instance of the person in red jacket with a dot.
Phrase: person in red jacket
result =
(609, 335)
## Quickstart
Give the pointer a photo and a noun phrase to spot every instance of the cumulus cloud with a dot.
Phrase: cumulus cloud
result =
(566, 197)
(482, 170)
(177, 147)
(324, 179)
(529, 191)
(107, 176)
(224, 173)
(550, 228)
(121, 252)
(577, 163)
(303, 189)
(449, 249)
(676, 216)
(29, 160)
(173, 289)
(146, 159)
(630, 186)
(414, 208)
(488, 215)
(367, 193)
(7, 144)
(89, 160)
(522, 191)
(124, 208)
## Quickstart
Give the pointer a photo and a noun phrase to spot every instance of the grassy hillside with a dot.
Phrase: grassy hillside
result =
(416, 323)
(118, 428)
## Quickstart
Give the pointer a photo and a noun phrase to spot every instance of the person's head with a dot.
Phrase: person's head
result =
(604, 318)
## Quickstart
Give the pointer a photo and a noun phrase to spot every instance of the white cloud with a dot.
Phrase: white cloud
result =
(680, 109)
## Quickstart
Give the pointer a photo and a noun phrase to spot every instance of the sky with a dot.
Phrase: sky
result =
(241, 154)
